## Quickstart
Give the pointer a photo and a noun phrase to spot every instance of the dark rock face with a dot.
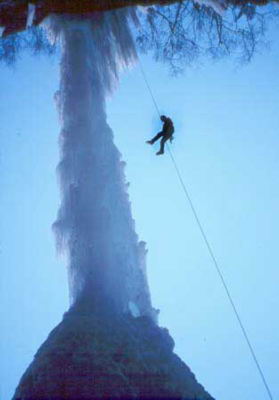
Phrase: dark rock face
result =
(13, 13)
(90, 357)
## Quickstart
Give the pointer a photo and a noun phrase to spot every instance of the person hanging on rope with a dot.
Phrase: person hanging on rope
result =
(165, 134)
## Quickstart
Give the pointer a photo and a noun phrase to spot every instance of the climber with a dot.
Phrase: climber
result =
(165, 134)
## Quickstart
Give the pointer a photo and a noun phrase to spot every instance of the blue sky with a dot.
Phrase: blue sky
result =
(226, 146)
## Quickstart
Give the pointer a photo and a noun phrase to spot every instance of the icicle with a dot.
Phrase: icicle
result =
(94, 225)
(219, 6)
(31, 15)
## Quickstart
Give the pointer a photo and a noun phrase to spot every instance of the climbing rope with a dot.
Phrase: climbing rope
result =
(209, 248)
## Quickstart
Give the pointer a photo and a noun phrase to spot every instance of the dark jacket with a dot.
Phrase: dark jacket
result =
(168, 127)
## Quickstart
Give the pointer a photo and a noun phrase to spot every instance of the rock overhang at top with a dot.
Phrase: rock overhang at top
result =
(14, 13)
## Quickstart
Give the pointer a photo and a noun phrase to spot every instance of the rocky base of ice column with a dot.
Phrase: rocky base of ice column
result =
(91, 357)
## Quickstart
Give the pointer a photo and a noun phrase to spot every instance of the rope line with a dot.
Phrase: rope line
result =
(148, 87)
(210, 250)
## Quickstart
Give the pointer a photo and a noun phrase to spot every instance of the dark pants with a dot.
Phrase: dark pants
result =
(164, 136)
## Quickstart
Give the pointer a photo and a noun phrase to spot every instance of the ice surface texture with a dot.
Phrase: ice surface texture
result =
(94, 227)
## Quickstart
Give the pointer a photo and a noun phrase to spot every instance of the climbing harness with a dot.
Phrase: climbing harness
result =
(209, 248)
